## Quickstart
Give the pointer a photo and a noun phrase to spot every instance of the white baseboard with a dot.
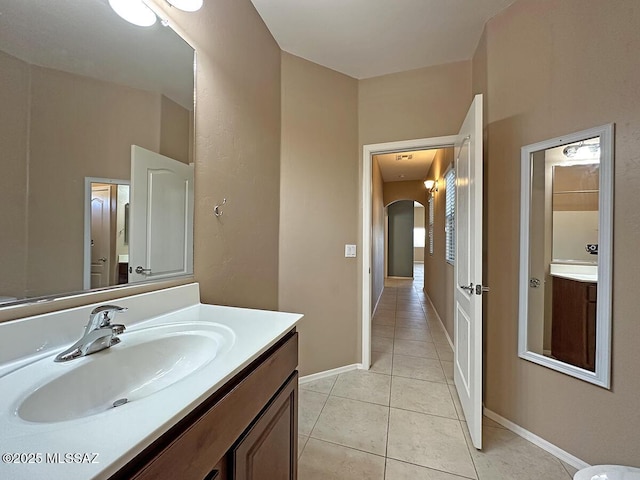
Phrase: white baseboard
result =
(329, 373)
(377, 303)
(536, 440)
(440, 320)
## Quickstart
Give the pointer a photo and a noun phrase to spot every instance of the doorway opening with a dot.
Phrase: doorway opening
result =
(405, 239)
(106, 229)
(403, 180)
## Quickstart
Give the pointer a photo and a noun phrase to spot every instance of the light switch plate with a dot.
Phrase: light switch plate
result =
(350, 251)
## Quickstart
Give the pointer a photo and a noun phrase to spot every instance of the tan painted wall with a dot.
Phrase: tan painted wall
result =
(428, 102)
(237, 153)
(377, 234)
(14, 129)
(79, 127)
(438, 273)
(318, 211)
(408, 190)
(175, 131)
(555, 67)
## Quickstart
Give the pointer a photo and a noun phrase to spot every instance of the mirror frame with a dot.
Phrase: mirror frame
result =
(602, 374)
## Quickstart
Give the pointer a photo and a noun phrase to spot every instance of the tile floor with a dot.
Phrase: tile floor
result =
(402, 419)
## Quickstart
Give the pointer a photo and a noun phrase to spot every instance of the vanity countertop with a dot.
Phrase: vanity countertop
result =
(577, 277)
(579, 273)
(97, 446)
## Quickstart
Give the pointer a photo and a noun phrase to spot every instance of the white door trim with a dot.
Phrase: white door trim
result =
(86, 274)
(367, 152)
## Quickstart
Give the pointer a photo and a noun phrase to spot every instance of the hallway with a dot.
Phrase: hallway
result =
(401, 420)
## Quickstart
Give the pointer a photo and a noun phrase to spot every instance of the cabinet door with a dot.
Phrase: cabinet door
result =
(269, 448)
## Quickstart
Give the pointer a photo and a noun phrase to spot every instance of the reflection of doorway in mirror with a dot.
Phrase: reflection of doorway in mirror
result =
(100, 234)
(106, 255)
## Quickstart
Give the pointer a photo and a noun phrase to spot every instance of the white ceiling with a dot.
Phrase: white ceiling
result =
(398, 167)
(367, 38)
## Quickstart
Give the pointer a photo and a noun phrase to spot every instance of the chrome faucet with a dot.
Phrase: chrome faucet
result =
(99, 333)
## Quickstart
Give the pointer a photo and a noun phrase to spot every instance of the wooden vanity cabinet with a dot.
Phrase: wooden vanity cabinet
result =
(247, 430)
(573, 329)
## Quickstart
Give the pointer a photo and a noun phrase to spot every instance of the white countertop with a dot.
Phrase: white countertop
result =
(118, 435)
(579, 273)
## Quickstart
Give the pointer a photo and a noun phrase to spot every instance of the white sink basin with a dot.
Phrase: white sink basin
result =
(146, 361)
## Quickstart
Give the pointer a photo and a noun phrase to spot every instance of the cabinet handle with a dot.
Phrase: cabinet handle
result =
(212, 475)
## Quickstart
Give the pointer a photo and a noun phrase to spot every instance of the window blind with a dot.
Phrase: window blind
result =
(450, 215)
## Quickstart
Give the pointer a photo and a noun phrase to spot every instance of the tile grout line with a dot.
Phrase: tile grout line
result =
(322, 409)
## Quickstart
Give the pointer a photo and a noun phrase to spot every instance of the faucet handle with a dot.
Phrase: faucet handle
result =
(103, 315)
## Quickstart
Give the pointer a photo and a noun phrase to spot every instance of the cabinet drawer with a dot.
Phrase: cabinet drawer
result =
(192, 453)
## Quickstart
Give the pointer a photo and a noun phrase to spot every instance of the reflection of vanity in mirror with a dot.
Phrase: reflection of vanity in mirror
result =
(80, 87)
(565, 268)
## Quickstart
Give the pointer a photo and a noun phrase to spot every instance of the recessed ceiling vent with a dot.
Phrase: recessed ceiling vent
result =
(403, 156)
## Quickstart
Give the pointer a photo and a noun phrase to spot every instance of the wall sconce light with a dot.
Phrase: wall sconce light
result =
(582, 150)
(139, 13)
(431, 185)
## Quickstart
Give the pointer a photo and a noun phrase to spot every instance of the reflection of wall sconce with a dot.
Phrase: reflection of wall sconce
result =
(431, 185)
(586, 150)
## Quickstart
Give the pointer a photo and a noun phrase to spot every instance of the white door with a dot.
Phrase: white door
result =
(100, 235)
(160, 216)
(468, 270)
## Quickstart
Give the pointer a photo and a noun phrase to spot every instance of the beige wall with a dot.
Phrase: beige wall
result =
(377, 234)
(407, 190)
(79, 127)
(551, 68)
(175, 131)
(428, 102)
(14, 129)
(318, 211)
(438, 273)
(237, 153)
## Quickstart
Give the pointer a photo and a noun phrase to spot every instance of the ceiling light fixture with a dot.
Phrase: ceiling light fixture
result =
(186, 5)
(139, 13)
(134, 11)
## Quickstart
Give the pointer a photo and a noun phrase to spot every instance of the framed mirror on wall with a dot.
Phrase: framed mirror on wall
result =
(566, 227)
(80, 86)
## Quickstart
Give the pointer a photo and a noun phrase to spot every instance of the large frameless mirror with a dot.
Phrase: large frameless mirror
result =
(80, 86)
(566, 254)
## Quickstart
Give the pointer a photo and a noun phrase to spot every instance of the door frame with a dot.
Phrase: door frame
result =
(366, 200)
(86, 274)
